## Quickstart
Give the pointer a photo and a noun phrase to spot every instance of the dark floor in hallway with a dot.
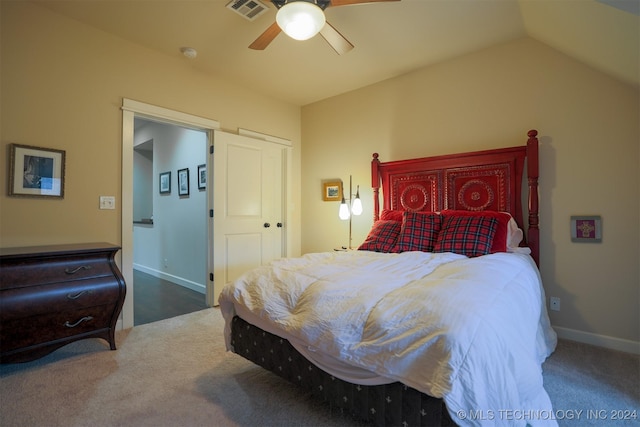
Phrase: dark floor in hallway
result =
(156, 299)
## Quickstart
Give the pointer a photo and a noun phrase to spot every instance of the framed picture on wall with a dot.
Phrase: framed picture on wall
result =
(586, 229)
(332, 190)
(183, 182)
(165, 182)
(202, 177)
(36, 171)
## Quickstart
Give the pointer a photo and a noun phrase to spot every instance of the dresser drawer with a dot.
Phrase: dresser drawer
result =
(17, 303)
(30, 331)
(53, 270)
(53, 295)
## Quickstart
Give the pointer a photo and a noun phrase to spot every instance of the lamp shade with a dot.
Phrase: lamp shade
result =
(344, 210)
(300, 20)
(356, 205)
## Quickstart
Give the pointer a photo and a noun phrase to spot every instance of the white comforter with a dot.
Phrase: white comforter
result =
(473, 331)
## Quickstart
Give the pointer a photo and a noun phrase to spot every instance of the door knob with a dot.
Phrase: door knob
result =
(279, 225)
(267, 225)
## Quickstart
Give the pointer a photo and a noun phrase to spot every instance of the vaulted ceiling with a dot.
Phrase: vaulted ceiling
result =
(390, 38)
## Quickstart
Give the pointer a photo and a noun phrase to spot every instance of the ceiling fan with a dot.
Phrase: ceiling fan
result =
(303, 19)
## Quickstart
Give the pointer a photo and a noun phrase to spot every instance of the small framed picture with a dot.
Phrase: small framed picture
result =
(202, 177)
(183, 182)
(165, 183)
(36, 171)
(332, 191)
(586, 229)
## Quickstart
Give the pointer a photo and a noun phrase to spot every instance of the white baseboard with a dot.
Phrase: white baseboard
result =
(605, 341)
(198, 287)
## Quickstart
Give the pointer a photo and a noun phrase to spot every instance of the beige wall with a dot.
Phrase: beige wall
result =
(589, 156)
(62, 87)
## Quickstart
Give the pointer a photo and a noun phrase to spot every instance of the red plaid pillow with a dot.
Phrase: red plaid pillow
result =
(466, 235)
(502, 230)
(419, 232)
(391, 215)
(382, 237)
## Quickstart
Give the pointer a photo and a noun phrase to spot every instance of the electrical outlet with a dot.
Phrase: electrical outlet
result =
(107, 202)
(554, 303)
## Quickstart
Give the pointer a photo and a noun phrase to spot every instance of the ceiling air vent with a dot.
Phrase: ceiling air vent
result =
(250, 9)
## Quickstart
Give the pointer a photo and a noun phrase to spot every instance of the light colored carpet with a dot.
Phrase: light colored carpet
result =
(176, 372)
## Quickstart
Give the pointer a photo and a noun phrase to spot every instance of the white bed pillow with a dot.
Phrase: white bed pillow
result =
(514, 237)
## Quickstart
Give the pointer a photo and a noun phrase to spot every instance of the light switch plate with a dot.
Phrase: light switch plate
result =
(107, 202)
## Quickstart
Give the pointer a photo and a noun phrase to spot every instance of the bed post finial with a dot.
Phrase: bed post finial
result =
(533, 233)
(375, 184)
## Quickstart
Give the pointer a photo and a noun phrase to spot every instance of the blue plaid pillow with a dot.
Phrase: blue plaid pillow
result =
(467, 235)
(419, 231)
(382, 237)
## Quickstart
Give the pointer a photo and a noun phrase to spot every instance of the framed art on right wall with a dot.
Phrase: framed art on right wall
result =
(586, 229)
(332, 191)
(202, 177)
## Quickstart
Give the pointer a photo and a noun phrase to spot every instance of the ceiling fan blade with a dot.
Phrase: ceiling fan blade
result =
(265, 38)
(336, 40)
(348, 2)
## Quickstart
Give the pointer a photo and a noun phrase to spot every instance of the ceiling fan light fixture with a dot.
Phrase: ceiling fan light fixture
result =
(300, 20)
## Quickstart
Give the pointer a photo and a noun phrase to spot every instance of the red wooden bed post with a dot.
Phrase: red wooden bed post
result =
(533, 233)
(375, 184)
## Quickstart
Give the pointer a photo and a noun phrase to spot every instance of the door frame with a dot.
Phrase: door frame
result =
(130, 110)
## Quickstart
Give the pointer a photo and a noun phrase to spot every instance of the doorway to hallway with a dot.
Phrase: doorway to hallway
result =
(169, 220)
(131, 110)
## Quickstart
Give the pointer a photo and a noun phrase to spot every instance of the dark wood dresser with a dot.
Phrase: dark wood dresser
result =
(53, 295)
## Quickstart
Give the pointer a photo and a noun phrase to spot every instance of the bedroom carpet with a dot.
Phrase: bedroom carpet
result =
(176, 372)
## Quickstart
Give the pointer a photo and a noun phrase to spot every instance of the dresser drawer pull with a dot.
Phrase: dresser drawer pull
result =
(73, 325)
(78, 295)
(75, 270)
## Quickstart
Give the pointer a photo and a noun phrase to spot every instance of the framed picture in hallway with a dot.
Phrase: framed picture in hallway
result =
(183, 182)
(165, 183)
(202, 177)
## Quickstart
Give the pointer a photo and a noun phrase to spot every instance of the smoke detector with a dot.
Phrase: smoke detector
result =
(250, 9)
(189, 52)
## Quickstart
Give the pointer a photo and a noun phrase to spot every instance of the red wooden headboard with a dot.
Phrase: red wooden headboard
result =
(475, 181)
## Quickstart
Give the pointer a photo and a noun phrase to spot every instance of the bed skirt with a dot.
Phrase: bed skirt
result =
(383, 405)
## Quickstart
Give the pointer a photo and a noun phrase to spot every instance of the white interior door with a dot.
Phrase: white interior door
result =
(247, 204)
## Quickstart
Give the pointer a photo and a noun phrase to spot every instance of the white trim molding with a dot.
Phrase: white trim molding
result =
(180, 281)
(605, 341)
(165, 115)
(264, 137)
